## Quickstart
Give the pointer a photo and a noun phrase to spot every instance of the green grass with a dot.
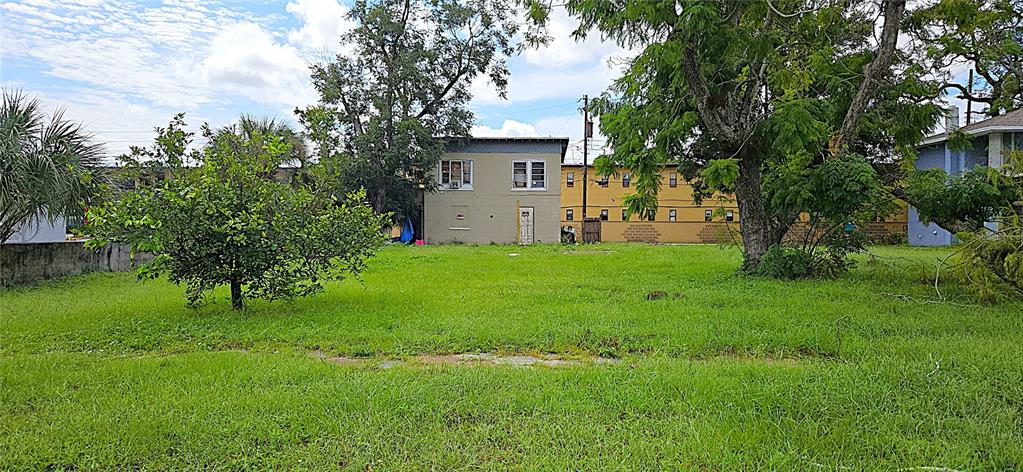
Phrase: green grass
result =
(870, 371)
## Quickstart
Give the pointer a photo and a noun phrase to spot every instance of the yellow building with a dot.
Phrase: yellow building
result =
(678, 220)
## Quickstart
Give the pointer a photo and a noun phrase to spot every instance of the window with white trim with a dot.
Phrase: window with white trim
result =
(529, 175)
(625, 179)
(671, 215)
(729, 216)
(673, 179)
(456, 174)
(570, 179)
(569, 214)
(708, 215)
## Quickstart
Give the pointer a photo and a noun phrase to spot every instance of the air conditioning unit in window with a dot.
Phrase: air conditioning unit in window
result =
(455, 185)
(519, 179)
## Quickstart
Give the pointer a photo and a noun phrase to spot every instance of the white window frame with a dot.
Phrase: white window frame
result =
(673, 179)
(530, 163)
(461, 178)
(570, 179)
(672, 215)
(729, 215)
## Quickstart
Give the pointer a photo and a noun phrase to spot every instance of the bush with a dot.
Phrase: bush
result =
(780, 262)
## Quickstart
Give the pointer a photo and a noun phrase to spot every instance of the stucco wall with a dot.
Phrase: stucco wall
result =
(490, 211)
(25, 263)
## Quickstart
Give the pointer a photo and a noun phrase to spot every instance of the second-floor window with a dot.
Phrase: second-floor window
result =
(673, 179)
(455, 174)
(672, 215)
(570, 179)
(602, 181)
(729, 216)
(625, 180)
(529, 175)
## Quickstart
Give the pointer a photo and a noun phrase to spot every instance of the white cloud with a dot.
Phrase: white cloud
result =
(545, 84)
(245, 59)
(323, 22)
(509, 129)
(563, 50)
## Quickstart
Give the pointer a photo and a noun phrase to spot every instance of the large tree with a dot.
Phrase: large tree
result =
(226, 221)
(387, 105)
(983, 35)
(47, 165)
(753, 96)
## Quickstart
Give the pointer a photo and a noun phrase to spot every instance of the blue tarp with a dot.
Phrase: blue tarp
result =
(406, 231)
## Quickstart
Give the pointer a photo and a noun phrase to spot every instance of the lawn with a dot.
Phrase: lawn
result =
(719, 372)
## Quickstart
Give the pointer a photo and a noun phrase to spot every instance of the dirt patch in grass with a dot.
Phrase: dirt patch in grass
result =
(485, 358)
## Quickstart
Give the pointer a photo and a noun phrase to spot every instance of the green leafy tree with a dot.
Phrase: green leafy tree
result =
(986, 35)
(225, 221)
(386, 108)
(756, 90)
(47, 165)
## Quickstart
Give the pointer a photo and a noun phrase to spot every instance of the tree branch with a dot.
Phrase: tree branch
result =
(872, 75)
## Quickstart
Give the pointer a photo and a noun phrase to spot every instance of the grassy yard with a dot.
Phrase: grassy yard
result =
(723, 372)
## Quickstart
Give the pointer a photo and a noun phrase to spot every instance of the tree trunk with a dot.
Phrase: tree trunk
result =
(758, 229)
(236, 294)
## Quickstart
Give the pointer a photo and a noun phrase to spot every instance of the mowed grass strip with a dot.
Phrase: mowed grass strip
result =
(723, 372)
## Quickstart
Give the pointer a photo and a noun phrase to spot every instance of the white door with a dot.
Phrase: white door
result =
(525, 225)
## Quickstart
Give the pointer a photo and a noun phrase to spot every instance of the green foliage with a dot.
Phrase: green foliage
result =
(786, 263)
(47, 165)
(991, 257)
(962, 202)
(749, 96)
(387, 109)
(227, 221)
(984, 34)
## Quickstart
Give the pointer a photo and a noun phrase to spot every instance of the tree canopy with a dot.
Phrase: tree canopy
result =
(760, 91)
(227, 221)
(387, 106)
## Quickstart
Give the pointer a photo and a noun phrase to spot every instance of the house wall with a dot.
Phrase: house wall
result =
(689, 226)
(941, 156)
(490, 211)
(40, 230)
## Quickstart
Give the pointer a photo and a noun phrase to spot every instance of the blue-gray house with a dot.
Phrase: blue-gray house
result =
(992, 140)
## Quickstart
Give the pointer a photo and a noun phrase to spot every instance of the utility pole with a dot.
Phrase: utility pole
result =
(969, 103)
(587, 131)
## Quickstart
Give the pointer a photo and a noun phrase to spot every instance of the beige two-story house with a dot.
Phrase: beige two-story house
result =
(497, 190)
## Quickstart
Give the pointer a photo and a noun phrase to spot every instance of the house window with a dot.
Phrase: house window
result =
(603, 215)
(708, 215)
(625, 180)
(570, 179)
(529, 174)
(673, 179)
(729, 216)
(671, 215)
(456, 174)
(651, 215)
(569, 214)
(625, 214)
(602, 181)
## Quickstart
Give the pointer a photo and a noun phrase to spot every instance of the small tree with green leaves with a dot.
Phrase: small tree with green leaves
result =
(227, 222)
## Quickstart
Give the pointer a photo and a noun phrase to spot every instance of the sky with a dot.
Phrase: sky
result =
(124, 67)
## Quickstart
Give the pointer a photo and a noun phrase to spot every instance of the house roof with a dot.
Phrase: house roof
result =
(1011, 121)
(523, 144)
